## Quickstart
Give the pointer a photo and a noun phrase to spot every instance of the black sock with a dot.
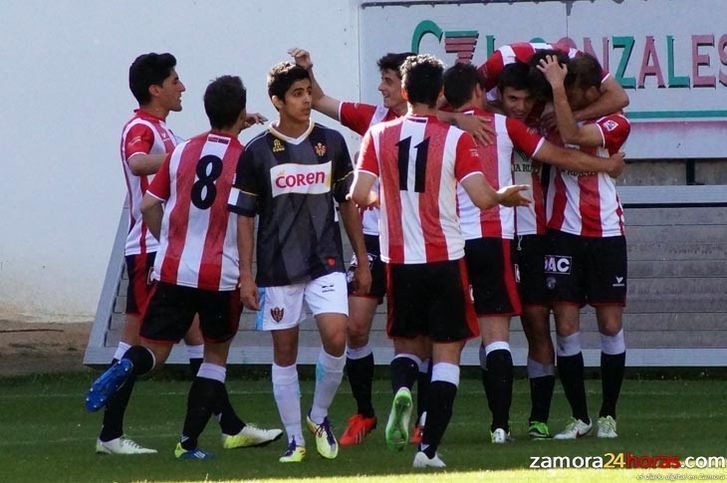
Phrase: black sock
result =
(570, 369)
(204, 395)
(230, 423)
(194, 363)
(360, 376)
(423, 381)
(541, 393)
(499, 387)
(113, 416)
(439, 412)
(403, 372)
(612, 375)
(142, 359)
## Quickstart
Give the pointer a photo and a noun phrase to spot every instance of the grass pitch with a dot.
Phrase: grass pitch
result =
(46, 435)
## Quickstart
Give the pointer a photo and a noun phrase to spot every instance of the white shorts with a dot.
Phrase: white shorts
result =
(286, 306)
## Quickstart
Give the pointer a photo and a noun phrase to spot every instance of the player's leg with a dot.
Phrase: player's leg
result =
(451, 321)
(406, 325)
(495, 331)
(423, 380)
(281, 310)
(111, 440)
(540, 367)
(608, 289)
(195, 346)
(327, 299)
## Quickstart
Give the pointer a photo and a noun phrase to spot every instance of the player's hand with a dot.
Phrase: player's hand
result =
(301, 57)
(616, 165)
(514, 195)
(548, 122)
(248, 293)
(553, 70)
(477, 127)
(253, 118)
(362, 279)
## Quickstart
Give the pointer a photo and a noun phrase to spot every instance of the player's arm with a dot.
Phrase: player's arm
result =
(243, 201)
(321, 102)
(613, 99)
(367, 170)
(151, 213)
(575, 160)
(476, 126)
(588, 135)
(352, 224)
(144, 164)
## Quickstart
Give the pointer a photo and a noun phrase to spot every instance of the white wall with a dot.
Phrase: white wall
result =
(64, 98)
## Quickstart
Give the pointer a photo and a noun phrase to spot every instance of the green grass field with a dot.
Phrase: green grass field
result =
(46, 435)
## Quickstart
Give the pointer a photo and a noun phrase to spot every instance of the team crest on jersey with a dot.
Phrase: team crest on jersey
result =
(610, 125)
(320, 149)
(277, 313)
(278, 146)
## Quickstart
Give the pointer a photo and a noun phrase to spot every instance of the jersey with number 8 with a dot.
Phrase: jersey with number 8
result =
(198, 239)
(418, 161)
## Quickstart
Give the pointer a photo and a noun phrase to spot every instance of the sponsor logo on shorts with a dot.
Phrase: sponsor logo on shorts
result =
(300, 178)
(277, 313)
(620, 282)
(517, 273)
(557, 264)
(328, 288)
(550, 283)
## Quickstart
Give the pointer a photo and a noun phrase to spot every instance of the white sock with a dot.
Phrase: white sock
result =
(121, 350)
(286, 390)
(195, 351)
(208, 370)
(329, 372)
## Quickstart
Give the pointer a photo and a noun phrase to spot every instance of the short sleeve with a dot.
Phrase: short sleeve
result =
(367, 159)
(161, 184)
(523, 138)
(245, 190)
(357, 117)
(615, 130)
(467, 161)
(489, 72)
(139, 140)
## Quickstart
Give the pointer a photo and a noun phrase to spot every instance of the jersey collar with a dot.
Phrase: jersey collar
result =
(149, 117)
(288, 139)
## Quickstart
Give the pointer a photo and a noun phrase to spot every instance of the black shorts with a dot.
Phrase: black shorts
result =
(492, 275)
(530, 253)
(430, 299)
(378, 270)
(172, 308)
(586, 270)
(138, 269)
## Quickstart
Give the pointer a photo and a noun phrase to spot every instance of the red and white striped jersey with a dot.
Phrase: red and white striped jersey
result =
(143, 134)
(359, 118)
(418, 161)
(517, 52)
(511, 135)
(587, 204)
(198, 239)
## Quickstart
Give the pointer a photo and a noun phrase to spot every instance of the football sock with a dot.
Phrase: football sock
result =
(613, 366)
(120, 350)
(203, 397)
(113, 416)
(542, 382)
(483, 374)
(423, 380)
(360, 370)
(404, 371)
(286, 390)
(499, 383)
(142, 359)
(570, 370)
(329, 373)
(442, 391)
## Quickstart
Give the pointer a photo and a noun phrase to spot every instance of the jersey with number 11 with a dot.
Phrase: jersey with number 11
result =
(418, 161)
(198, 240)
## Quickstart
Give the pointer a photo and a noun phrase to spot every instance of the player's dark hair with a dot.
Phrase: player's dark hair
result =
(393, 61)
(148, 70)
(224, 99)
(584, 71)
(515, 76)
(421, 77)
(459, 84)
(282, 76)
(539, 85)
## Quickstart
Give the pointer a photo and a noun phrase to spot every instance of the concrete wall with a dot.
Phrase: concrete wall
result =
(65, 98)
